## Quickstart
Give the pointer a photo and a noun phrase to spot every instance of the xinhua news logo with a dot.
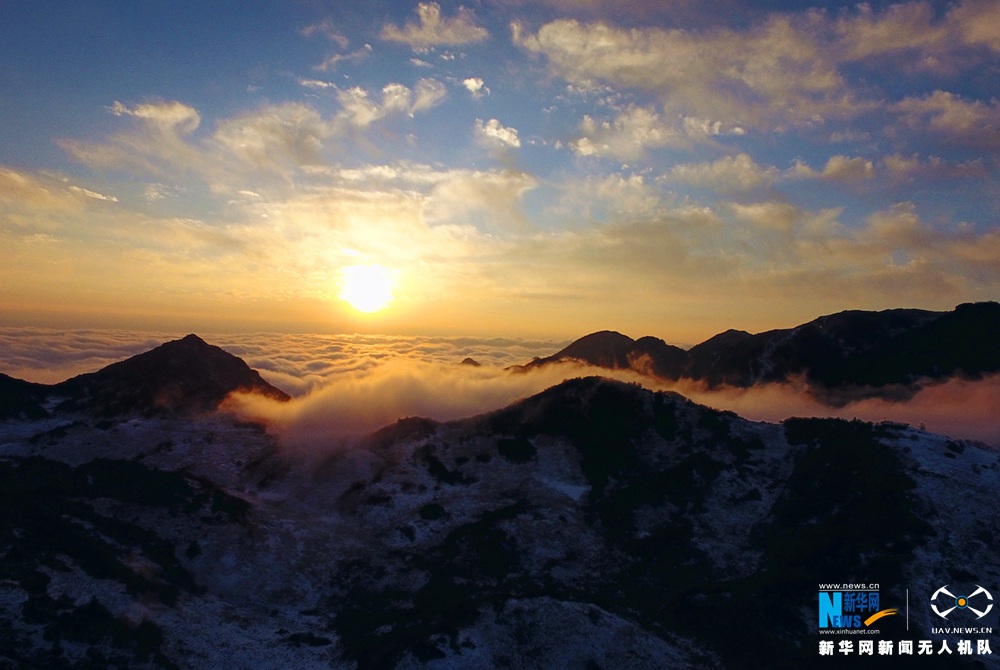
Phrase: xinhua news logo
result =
(850, 606)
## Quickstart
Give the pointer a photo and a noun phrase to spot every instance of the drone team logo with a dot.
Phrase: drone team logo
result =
(944, 602)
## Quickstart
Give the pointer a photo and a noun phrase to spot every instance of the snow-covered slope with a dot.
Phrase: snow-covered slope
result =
(594, 525)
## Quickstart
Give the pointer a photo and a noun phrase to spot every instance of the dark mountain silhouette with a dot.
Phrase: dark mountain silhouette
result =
(852, 348)
(181, 377)
(606, 349)
(965, 341)
(614, 351)
(818, 349)
(20, 399)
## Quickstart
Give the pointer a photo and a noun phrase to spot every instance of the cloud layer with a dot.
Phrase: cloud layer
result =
(348, 386)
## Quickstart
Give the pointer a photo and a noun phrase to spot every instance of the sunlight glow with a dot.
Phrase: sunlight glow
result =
(367, 288)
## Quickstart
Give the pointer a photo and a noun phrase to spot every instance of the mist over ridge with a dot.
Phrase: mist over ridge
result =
(349, 385)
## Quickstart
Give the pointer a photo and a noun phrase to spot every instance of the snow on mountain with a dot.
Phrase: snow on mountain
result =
(594, 525)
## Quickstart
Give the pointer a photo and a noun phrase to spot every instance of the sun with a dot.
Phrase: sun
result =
(367, 288)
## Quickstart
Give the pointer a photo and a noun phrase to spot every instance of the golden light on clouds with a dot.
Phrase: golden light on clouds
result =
(663, 173)
(367, 288)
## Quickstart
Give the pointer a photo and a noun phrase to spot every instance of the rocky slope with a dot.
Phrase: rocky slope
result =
(594, 525)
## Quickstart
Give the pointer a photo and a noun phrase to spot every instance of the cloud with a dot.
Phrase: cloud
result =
(488, 200)
(773, 73)
(728, 174)
(160, 144)
(635, 131)
(972, 122)
(427, 93)
(332, 62)
(359, 402)
(978, 23)
(612, 197)
(349, 385)
(739, 259)
(271, 141)
(24, 193)
(434, 30)
(900, 27)
(931, 168)
(327, 30)
(361, 110)
(492, 133)
(170, 115)
(912, 29)
(704, 128)
(784, 70)
(476, 87)
(355, 404)
(958, 408)
(49, 356)
(316, 83)
(838, 168)
(845, 169)
(288, 134)
(93, 194)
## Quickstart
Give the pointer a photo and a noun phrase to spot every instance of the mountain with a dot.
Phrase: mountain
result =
(594, 525)
(848, 349)
(21, 399)
(182, 377)
(964, 341)
(614, 351)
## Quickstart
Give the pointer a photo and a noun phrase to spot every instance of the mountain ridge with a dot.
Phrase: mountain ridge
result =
(853, 348)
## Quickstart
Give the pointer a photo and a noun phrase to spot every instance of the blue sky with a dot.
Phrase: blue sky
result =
(514, 168)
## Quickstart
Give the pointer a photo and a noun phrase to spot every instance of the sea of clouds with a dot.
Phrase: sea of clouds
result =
(350, 385)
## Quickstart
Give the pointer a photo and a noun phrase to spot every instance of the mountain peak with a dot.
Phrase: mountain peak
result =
(605, 348)
(185, 376)
(192, 339)
(610, 349)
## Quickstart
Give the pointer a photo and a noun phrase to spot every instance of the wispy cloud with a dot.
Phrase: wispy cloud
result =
(289, 134)
(158, 145)
(327, 29)
(165, 115)
(432, 29)
(361, 109)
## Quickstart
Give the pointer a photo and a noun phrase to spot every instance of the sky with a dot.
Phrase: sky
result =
(500, 168)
